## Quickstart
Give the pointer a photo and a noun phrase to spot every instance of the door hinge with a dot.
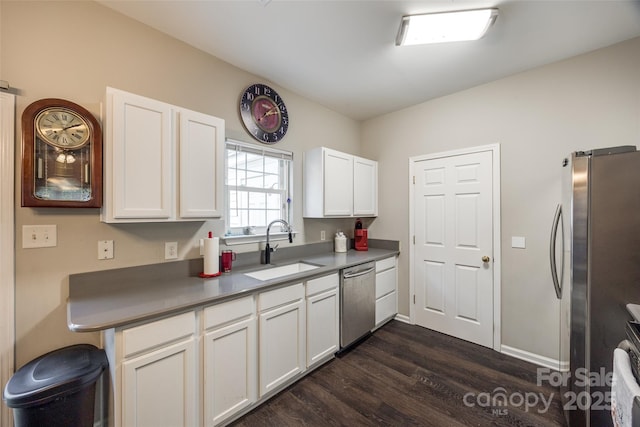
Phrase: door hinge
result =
(414, 179)
(414, 239)
(414, 298)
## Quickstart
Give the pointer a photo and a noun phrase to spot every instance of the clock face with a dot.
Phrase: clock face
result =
(62, 128)
(264, 114)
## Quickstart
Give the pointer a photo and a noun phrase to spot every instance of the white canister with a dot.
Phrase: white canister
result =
(340, 242)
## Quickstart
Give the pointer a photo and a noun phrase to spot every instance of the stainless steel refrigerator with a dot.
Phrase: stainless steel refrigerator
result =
(596, 235)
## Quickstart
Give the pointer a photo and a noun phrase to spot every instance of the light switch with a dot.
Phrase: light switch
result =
(39, 236)
(517, 242)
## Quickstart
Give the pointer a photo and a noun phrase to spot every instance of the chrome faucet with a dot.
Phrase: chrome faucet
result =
(268, 249)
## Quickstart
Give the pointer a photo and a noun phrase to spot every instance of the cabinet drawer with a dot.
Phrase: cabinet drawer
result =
(277, 297)
(321, 284)
(385, 264)
(385, 282)
(154, 334)
(385, 308)
(228, 312)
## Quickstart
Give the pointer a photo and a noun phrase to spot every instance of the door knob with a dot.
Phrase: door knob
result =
(486, 259)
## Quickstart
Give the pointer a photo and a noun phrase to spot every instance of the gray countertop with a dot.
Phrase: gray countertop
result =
(112, 298)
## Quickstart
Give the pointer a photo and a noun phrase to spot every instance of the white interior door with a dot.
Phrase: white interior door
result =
(453, 224)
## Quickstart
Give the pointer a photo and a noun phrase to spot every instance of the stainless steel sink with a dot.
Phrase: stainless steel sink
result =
(281, 271)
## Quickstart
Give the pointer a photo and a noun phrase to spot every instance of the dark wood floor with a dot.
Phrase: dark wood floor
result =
(406, 375)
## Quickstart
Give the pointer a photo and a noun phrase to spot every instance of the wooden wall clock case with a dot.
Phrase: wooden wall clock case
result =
(61, 155)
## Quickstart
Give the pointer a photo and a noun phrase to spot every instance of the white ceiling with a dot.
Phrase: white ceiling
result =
(342, 54)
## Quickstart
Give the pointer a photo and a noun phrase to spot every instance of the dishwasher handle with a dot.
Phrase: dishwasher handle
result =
(358, 273)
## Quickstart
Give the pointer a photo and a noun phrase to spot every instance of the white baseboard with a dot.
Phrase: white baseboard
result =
(403, 318)
(527, 356)
(537, 359)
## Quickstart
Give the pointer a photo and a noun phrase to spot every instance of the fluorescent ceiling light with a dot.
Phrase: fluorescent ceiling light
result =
(445, 27)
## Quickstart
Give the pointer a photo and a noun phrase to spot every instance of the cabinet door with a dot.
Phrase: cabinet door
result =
(385, 282)
(140, 168)
(386, 290)
(159, 388)
(386, 308)
(322, 326)
(338, 179)
(282, 345)
(230, 381)
(365, 186)
(201, 151)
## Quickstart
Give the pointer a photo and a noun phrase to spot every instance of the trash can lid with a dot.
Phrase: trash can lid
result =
(60, 372)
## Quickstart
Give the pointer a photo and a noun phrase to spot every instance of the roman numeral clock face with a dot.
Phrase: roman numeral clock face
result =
(264, 113)
(62, 128)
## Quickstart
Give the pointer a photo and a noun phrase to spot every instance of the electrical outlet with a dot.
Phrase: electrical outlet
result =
(323, 236)
(105, 249)
(39, 236)
(170, 250)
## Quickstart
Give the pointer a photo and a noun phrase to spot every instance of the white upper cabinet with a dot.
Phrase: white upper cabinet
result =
(338, 172)
(161, 162)
(138, 152)
(337, 184)
(201, 152)
(365, 187)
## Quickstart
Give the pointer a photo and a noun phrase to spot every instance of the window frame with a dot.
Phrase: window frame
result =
(237, 235)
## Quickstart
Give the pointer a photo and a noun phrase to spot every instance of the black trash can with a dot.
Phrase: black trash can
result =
(57, 389)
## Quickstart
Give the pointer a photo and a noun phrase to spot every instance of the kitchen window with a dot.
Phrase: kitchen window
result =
(258, 190)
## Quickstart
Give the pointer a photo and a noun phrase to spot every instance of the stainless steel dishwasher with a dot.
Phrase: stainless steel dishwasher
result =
(357, 303)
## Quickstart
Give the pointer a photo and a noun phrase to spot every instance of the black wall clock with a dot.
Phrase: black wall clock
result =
(264, 114)
(61, 156)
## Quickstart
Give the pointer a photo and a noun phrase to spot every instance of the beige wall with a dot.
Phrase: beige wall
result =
(73, 50)
(538, 118)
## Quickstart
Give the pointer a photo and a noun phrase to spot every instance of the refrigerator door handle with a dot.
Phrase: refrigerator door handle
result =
(557, 222)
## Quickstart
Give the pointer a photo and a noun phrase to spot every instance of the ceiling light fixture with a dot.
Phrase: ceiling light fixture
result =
(445, 26)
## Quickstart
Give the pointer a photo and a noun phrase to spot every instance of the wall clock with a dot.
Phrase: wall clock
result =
(61, 156)
(264, 114)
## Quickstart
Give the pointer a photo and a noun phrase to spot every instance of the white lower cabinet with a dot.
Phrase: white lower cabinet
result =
(154, 373)
(229, 359)
(323, 317)
(159, 388)
(281, 336)
(386, 294)
(209, 365)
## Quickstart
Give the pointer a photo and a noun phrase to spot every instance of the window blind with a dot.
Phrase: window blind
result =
(259, 150)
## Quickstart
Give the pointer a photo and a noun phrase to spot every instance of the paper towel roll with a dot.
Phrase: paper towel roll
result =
(211, 254)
